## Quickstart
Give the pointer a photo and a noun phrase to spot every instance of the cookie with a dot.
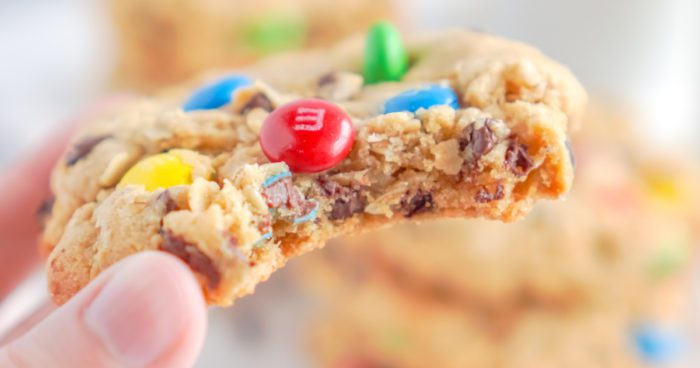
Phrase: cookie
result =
(608, 271)
(371, 323)
(477, 127)
(162, 43)
(364, 318)
(629, 222)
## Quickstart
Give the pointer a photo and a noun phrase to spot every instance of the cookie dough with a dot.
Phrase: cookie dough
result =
(235, 217)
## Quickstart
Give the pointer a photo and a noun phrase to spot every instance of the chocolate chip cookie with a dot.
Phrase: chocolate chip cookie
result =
(236, 173)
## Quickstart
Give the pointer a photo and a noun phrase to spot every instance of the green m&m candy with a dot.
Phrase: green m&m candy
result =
(668, 258)
(276, 32)
(385, 58)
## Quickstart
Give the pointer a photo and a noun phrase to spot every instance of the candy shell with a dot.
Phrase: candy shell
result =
(658, 345)
(275, 178)
(308, 217)
(160, 171)
(385, 58)
(260, 242)
(668, 258)
(663, 188)
(215, 94)
(425, 98)
(309, 135)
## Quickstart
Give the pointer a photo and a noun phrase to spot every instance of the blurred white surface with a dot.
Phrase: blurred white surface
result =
(56, 56)
(266, 329)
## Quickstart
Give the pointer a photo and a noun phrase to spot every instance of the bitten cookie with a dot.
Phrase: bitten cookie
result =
(257, 167)
(602, 279)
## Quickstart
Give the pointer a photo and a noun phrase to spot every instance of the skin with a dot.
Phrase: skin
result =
(147, 310)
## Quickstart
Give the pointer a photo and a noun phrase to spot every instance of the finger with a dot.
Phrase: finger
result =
(147, 310)
(23, 188)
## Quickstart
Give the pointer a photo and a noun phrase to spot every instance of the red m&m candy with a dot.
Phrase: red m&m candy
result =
(308, 135)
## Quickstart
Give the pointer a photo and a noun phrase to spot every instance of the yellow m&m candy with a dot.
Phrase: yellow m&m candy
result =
(663, 188)
(160, 171)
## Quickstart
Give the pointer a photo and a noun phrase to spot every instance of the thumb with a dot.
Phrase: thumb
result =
(147, 310)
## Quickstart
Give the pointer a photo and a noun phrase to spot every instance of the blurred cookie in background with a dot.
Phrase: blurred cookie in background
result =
(163, 41)
(377, 324)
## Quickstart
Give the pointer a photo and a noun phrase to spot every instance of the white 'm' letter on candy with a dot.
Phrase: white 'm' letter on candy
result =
(305, 115)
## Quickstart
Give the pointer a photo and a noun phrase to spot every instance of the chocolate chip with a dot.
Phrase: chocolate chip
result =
(259, 100)
(571, 152)
(327, 79)
(83, 148)
(283, 193)
(348, 200)
(482, 140)
(518, 161)
(345, 207)
(46, 206)
(330, 188)
(44, 210)
(483, 195)
(466, 137)
(420, 202)
(169, 203)
(191, 255)
(338, 85)
(277, 194)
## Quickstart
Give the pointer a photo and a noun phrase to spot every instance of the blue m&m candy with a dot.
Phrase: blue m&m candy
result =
(216, 94)
(426, 97)
(658, 345)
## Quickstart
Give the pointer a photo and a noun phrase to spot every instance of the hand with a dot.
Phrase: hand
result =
(147, 310)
